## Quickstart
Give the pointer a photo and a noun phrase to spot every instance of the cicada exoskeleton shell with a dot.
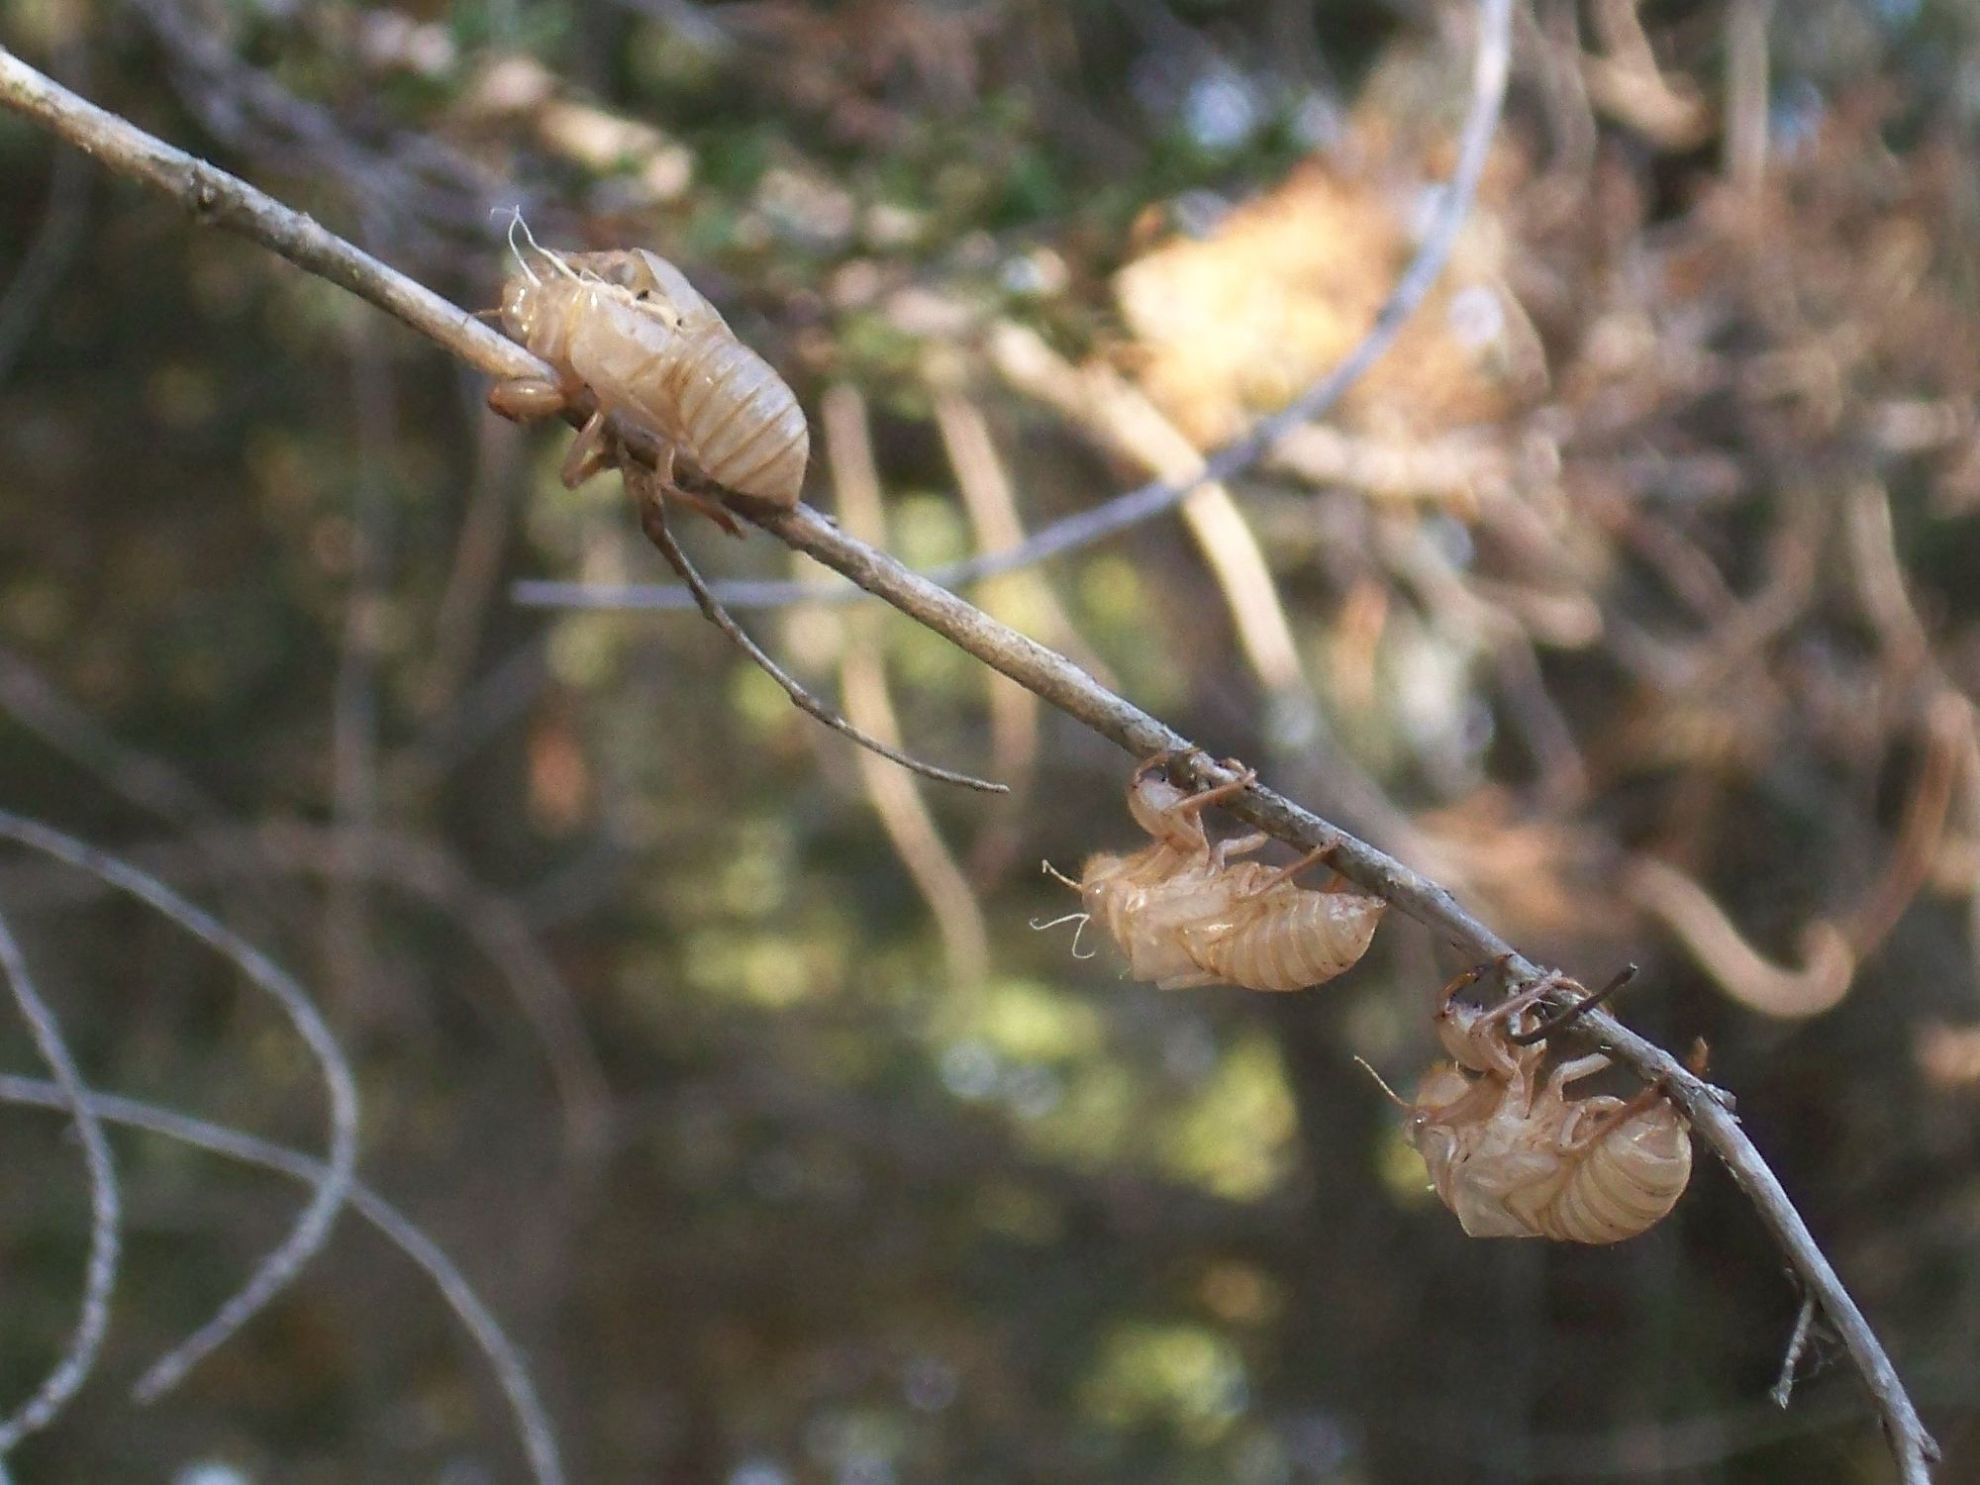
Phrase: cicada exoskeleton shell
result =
(628, 327)
(1186, 914)
(1512, 1155)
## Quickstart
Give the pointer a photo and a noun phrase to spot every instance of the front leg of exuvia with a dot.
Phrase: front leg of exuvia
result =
(593, 451)
(527, 399)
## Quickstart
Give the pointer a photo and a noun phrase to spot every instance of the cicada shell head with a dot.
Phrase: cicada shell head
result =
(536, 310)
(1153, 801)
(1428, 1128)
(651, 284)
(1477, 1037)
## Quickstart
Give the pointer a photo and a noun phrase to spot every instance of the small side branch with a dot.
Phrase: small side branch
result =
(1797, 1346)
(653, 521)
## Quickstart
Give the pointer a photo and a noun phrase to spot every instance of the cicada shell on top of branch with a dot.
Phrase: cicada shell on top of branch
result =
(1185, 913)
(628, 327)
(1513, 1156)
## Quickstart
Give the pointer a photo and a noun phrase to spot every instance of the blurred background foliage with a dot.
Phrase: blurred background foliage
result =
(1632, 594)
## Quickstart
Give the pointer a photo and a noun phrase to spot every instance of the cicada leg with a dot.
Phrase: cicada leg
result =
(709, 508)
(1466, 980)
(1613, 1114)
(1218, 793)
(658, 484)
(1287, 873)
(1244, 845)
(525, 399)
(1574, 1071)
(593, 451)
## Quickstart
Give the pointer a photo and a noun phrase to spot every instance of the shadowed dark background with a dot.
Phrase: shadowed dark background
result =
(1630, 594)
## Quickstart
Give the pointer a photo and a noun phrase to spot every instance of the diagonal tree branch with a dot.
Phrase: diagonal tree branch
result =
(217, 197)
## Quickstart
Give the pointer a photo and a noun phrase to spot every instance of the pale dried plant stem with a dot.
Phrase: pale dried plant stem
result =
(1949, 736)
(1121, 418)
(78, 1358)
(349, 948)
(1017, 598)
(223, 199)
(903, 813)
(985, 486)
(1694, 918)
(1024, 598)
(531, 1419)
(1747, 68)
(460, 617)
(312, 1227)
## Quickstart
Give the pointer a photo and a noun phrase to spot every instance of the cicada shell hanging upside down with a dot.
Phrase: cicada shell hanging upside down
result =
(630, 329)
(1513, 1156)
(1186, 914)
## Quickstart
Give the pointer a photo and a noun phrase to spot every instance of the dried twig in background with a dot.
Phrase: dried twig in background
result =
(78, 1358)
(532, 1421)
(312, 1227)
(903, 813)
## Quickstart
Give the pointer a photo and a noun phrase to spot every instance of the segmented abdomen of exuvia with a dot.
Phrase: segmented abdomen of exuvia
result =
(692, 383)
(1288, 938)
(1626, 1184)
(738, 420)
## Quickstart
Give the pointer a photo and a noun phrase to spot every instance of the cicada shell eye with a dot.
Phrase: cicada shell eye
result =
(669, 283)
(621, 271)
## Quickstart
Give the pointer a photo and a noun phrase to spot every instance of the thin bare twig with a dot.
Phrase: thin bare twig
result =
(532, 1421)
(312, 1228)
(222, 199)
(1804, 1322)
(653, 521)
(85, 1342)
(1063, 684)
(489, 919)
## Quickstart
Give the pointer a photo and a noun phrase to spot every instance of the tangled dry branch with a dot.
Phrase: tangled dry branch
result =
(215, 197)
